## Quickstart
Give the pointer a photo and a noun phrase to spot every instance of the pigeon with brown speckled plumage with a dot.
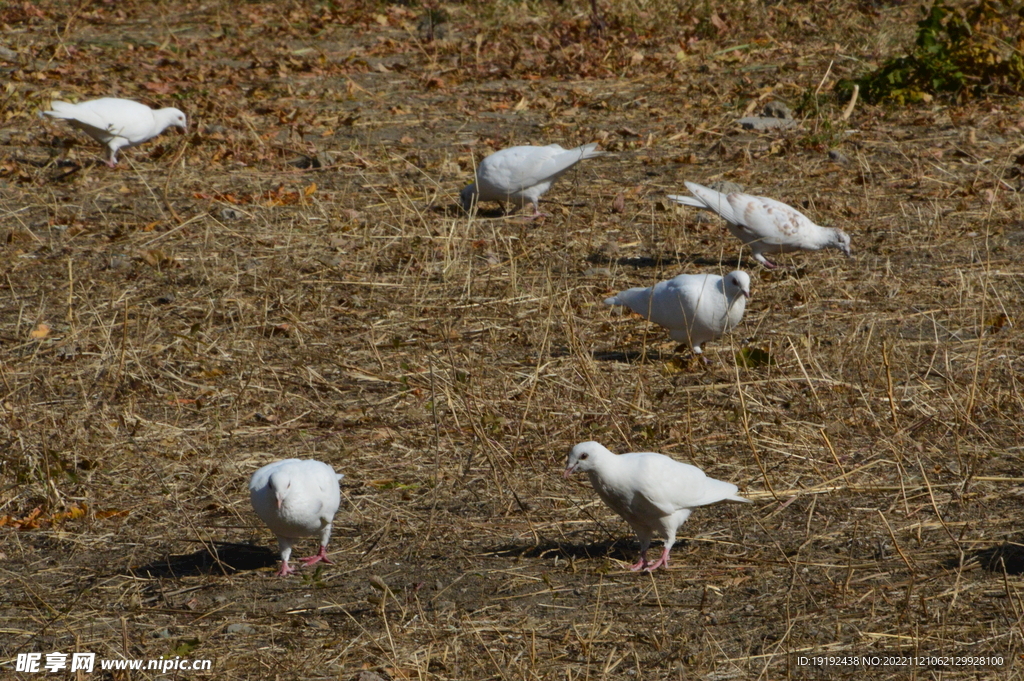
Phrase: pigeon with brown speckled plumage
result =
(766, 225)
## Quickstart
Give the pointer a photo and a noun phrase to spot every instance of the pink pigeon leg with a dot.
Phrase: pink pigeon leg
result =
(537, 213)
(661, 562)
(640, 564)
(320, 557)
(285, 569)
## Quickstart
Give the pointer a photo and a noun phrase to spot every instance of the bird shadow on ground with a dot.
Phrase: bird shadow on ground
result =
(646, 261)
(449, 210)
(618, 549)
(455, 210)
(224, 558)
(782, 272)
(631, 356)
(1008, 558)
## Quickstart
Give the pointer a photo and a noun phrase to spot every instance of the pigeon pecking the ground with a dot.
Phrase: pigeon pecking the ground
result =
(296, 498)
(695, 308)
(117, 123)
(653, 493)
(521, 175)
(766, 225)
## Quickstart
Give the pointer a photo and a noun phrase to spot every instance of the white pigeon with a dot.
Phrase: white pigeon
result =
(521, 175)
(296, 498)
(117, 123)
(695, 308)
(653, 493)
(766, 225)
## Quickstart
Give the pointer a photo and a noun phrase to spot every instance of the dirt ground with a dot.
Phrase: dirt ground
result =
(293, 277)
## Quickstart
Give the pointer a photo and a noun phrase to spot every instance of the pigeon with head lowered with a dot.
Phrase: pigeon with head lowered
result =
(766, 225)
(117, 123)
(296, 498)
(695, 308)
(653, 493)
(521, 175)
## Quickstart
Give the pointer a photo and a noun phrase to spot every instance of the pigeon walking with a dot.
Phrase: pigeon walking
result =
(651, 492)
(766, 225)
(521, 175)
(695, 308)
(296, 498)
(117, 123)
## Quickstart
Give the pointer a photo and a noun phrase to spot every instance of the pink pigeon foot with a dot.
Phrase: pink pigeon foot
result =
(769, 264)
(285, 569)
(661, 562)
(537, 214)
(640, 564)
(320, 557)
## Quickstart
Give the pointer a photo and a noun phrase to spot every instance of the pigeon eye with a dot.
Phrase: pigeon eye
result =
(584, 455)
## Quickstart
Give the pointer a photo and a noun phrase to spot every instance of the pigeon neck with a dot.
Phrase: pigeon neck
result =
(603, 462)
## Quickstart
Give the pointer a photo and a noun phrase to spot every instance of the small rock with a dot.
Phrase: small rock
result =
(609, 250)
(240, 628)
(598, 272)
(368, 676)
(619, 204)
(119, 263)
(230, 214)
(762, 123)
(165, 299)
(776, 110)
(306, 162)
(162, 633)
(838, 157)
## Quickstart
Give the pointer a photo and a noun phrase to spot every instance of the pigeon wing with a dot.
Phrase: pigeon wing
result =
(90, 120)
(771, 221)
(669, 485)
(121, 117)
(714, 201)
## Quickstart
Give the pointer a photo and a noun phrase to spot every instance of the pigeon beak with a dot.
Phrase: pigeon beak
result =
(567, 473)
(746, 294)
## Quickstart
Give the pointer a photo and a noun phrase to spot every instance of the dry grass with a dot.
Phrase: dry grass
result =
(211, 307)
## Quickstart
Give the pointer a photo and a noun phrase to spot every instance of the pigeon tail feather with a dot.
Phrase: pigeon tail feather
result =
(589, 151)
(636, 299)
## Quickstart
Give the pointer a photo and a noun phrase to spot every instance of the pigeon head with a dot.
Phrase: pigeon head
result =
(583, 457)
(737, 282)
(279, 483)
(468, 196)
(841, 241)
(171, 118)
